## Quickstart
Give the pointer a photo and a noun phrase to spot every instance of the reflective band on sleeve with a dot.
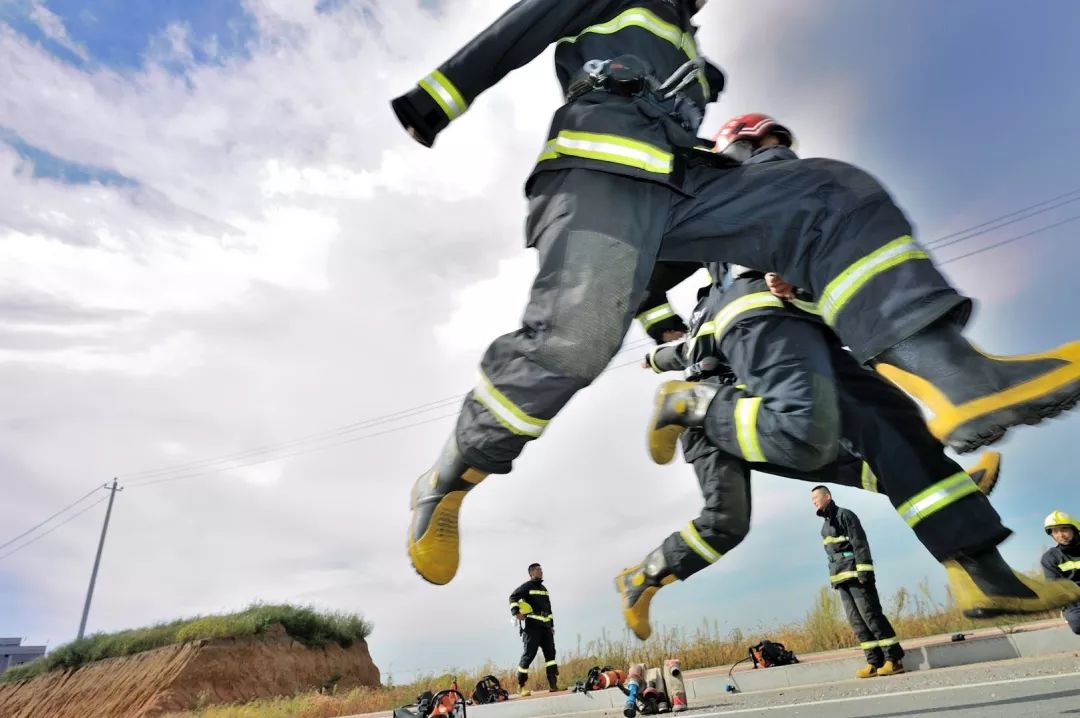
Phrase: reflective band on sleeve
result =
(844, 576)
(869, 479)
(1069, 566)
(536, 592)
(654, 315)
(746, 411)
(693, 539)
(609, 148)
(864, 567)
(841, 289)
(445, 94)
(931, 500)
(652, 360)
(757, 300)
(505, 411)
(833, 539)
(705, 329)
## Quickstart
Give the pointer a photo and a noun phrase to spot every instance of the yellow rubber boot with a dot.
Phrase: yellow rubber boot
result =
(984, 586)
(679, 405)
(436, 504)
(637, 585)
(867, 671)
(524, 692)
(977, 397)
(891, 668)
(985, 471)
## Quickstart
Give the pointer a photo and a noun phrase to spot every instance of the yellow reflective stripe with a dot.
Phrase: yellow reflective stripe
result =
(652, 360)
(886, 642)
(705, 329)
(746, 411)
(523, 670)
(757, 300)
(869, 479)
(551, 663)
(646, 20)
(654, 315)
(864, 567)
(538, 617)
(693, 539)
(508, 414)
(841, 289)
(536, 592)
(931, 500)
(833, 539)
(868, 645)
(844, 576)
(1069, 566)
(808, 307)
(609, 148)
(445, 94)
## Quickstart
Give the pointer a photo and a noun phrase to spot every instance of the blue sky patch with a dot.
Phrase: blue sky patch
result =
(48, 165)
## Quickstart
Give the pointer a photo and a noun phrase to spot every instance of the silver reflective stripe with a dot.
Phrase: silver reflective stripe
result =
(936, 497)
(445, 94)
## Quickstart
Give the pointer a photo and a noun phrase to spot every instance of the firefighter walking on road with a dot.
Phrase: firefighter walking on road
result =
(530, 604)
(1063, 560)
(851, 572)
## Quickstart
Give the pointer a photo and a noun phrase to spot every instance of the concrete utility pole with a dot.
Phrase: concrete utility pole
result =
(97, 559)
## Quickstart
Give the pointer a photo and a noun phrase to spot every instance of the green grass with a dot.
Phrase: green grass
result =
(310, 627)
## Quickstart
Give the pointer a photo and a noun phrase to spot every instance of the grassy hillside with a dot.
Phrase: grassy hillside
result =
(310, 627)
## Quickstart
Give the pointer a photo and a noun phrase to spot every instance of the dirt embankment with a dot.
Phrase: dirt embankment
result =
(189, 675)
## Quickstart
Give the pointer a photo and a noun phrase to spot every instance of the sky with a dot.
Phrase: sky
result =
(216, 241)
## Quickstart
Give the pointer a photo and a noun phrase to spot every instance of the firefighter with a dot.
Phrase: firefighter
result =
(624, 180)
(802, 389)
(851, 572)
(530, 604)
(1063, 560)
(724, 478)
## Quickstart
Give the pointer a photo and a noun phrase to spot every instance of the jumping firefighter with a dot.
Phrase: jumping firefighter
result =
(805, 397)
(530, 604)
(851, 572)
(1063, 561)
(624, 180)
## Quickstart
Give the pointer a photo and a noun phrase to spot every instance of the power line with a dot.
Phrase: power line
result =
(940, 241)
(42, 535)
(138, 478)
(996, 225)
(988, 247)
(35, 527)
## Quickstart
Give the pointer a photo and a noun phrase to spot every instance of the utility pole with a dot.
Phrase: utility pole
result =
(97, 559)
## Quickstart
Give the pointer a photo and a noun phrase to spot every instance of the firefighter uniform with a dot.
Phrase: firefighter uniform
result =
(532, 600)
(876, 421)
(851, 572)
(1063, 562)
(617, 185)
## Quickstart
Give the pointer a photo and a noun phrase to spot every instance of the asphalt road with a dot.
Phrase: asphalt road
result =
(1022, 688)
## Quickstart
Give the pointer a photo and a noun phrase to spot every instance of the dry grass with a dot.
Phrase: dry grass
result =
(823, 628)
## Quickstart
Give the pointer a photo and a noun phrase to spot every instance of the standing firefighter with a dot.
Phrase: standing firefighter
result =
(623, 180)
(530, 604)
(851, 572)
(1063, 560)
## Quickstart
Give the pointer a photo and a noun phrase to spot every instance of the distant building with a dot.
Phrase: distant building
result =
(13, 653)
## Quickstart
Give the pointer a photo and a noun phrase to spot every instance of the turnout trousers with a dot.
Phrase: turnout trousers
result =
(826, 226)
(876, 635)
(887, 449)
(538, 637)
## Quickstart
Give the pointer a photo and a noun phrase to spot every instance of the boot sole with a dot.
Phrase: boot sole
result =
(435, 555)
(990, 428)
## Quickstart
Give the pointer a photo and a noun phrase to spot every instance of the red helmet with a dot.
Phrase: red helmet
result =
(752, 127)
